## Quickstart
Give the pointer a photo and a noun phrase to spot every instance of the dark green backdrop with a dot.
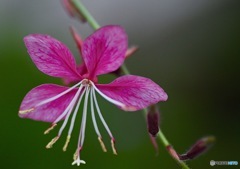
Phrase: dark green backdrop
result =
(195, 59)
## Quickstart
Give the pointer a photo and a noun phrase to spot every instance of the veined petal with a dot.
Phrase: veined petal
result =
(134, 91)
(81, 70)
(51, 56)
(47, 112)
(104, 51)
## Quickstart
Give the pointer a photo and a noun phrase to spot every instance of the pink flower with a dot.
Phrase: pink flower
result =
(102, 52)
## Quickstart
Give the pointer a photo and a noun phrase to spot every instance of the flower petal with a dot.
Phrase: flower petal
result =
(51, 56)
(82, 70)
(134, 91)
(104, 50)
(47, 112)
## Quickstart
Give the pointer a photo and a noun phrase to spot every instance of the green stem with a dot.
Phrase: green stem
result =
(125, 69)
(83, 10)
(93, 23)
(165, 142)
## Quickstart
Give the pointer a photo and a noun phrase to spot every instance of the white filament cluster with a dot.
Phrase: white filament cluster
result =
(86, 89)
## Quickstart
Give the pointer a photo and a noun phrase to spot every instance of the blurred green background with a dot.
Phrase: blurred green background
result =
(190, 48)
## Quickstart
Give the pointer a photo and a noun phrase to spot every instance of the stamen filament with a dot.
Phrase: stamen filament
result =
(59, 95)
(75, 113)
(95, 123)
(70, 106)
(108, 98)
(50, 128)
(100, 115)
(50, 144)
(93, 114)
(84, 117)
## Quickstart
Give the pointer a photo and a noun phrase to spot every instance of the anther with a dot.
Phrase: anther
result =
(129, 108)
(113, 146)
(50, 144)
(50, 128)
(102, 144)
(76, 154)
(25, 111)
(66, 143)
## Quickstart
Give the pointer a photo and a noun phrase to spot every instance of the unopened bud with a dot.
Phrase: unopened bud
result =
(154, 142)
(72, 11)
(153, 120)
(198, 148)
(77, 38)
(131, 51)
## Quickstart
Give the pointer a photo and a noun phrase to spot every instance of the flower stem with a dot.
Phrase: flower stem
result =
(125, 69)
(93, 23)
(165, 142)
(83, 10)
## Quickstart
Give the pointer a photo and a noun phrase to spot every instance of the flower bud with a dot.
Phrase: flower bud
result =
(78, 40)
(131, 51)
(154, 143)
(153, 120)
(198, 148)
(72, 11)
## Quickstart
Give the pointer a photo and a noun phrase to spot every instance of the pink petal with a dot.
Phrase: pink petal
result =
(82, 70)
(104, 50)
(49, 111)
(134, 91)
(51, 56)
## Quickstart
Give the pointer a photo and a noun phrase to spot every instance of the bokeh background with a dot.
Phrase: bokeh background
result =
(191, 48)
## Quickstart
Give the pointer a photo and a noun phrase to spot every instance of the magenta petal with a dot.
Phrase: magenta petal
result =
(49, 111)
(82, 70)
(104, 50)
(134, 91)
(51, 56)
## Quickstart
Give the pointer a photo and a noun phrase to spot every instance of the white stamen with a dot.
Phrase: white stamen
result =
(100, 115)
(65, 121)
(69, 111)
(93, 115)
(70, 106)
(108, 98)
(84, 117)
(75, 113)
(59, 95)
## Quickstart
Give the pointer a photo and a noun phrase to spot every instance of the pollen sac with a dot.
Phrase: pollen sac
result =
(153, 120)
(198, 148)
